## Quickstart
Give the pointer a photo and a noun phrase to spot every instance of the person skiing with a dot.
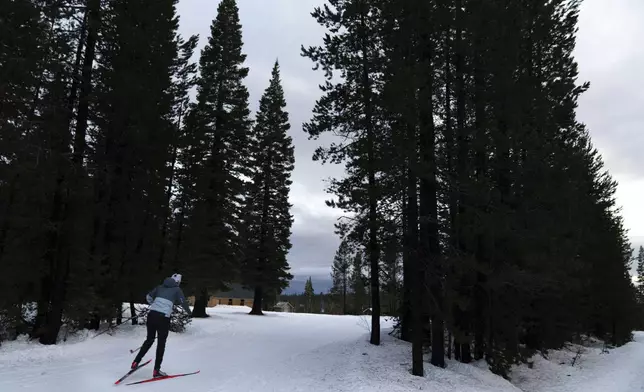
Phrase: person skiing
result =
(162, 300)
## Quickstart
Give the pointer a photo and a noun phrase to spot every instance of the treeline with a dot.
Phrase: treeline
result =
(349, 294)
(467, 171)
(112, 178)
(639, 259)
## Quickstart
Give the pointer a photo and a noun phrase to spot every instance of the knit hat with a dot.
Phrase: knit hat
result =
(176, 277)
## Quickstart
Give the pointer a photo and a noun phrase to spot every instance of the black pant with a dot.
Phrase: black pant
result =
(157, 323)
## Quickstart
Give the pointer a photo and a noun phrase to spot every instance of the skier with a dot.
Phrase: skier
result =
(162, 300)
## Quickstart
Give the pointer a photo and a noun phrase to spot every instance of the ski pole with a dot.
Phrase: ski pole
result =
(123, 322)
(137, 349)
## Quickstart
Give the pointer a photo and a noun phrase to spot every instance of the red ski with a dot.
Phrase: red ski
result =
(163, 378)
(131, 371)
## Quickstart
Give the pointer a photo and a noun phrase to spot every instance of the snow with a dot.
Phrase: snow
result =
(289, 352)
(619, 369)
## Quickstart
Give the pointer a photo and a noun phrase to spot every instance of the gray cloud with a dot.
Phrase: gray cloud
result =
(610, 57)
(609, 54)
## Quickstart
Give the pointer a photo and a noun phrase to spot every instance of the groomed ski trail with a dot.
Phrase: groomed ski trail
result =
(233, 350)
(237, 352)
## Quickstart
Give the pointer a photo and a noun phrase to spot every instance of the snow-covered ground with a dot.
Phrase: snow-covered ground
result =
(292, 352)
(618, 370)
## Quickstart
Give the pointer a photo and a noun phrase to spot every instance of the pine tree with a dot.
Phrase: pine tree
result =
(50, 136)
(353, 48)
(640, 274)
(340, 272)
(357, 283)
(31, 65)
(391, 267)
(410, 92)
(268, 222)
(309, 293)
(188, 154)
(220, 126)
(183, 81)
(132, 149)
(86, 178)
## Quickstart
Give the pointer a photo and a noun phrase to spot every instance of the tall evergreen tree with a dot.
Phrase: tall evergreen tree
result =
(22, 37)
(184, 80)
(220, 127)
(640, 275)
(309, 292)
(357, 283)
(391, 267)
(268, 218)
(340, 273)
(350, 108)
(132, 148)
(37, 60)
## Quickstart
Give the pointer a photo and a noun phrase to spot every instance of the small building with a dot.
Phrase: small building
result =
(236, 296)
(284, 306)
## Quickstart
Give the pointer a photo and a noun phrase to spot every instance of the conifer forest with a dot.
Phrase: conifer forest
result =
(478, 212)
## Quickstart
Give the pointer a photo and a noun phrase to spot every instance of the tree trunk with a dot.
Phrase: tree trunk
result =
(42, 306)
(429, 237)
(201, 301)
(55, 313)
(94, 321)
(135, 319)
(58, 266)
(257, 301)
(119, 313)
(466, 353)
(344, 294)
(374, 250)
(6, 216)
(480, 124)
(405, 318)
(417, 278)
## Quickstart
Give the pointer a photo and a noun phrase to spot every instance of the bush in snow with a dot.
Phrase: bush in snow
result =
(5, 326)
(16, 320)
(395, 330)
(178, 321)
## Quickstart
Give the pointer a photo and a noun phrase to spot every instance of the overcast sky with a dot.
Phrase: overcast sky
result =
(610, 56)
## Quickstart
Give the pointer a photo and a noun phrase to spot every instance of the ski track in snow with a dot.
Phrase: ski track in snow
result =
(237, 352)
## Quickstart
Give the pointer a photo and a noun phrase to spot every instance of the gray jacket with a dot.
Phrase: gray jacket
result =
(165, 296)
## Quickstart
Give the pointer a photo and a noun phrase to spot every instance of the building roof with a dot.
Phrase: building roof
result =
(236, 291)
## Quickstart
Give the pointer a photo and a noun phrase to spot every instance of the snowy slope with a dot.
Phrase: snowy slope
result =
(619, 370)
(237, 352)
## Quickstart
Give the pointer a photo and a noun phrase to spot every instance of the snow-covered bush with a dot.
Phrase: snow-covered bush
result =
(16, 320)
(178, 321)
